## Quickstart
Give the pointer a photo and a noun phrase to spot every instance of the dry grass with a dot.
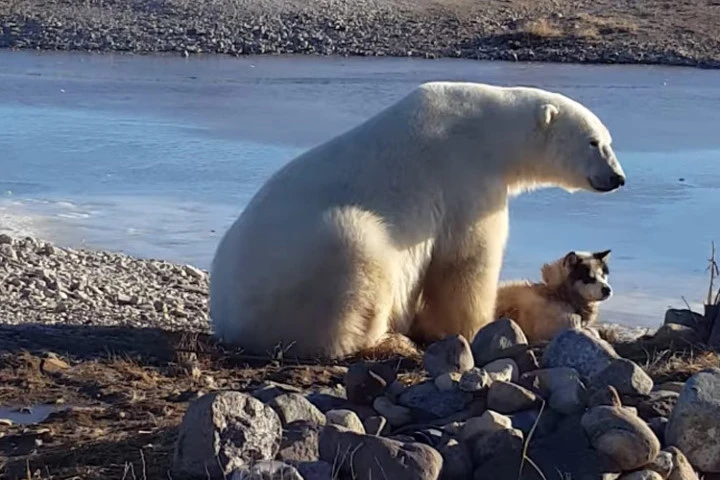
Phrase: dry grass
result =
(542, 28)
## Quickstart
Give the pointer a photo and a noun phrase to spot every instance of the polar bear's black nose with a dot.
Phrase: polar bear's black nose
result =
(618, 180)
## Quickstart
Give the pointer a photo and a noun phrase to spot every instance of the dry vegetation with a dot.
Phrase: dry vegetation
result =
(118, 409)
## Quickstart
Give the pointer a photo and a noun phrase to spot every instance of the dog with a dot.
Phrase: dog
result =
(569, 296)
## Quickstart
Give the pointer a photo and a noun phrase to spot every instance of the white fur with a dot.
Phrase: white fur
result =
(398, 225)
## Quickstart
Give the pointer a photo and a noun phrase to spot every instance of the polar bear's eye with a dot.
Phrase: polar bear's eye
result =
(594, 143)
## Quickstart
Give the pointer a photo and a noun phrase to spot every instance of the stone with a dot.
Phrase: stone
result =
(670, 386)
(433, 437)
(580, 350)
(504, 369)
(266, 391)
(315, 470)
(688, 318)
(658, 426)
(376, 425)
(527, 419)
(641, 475)
(325, 401)
(498, 443)
(299, 443)
(427, 402)
(672, 332)
(445, 382)
(345, 418)
(474, 380)
(566, 453)
(506, 397)
(660, 403)
(527, 361)
(561, 386)
(604, 395)
(449, 355)
(663, 464)
(396, 415)
(501, 337)
(367, 457)
(623, 437)
(694, 426)
(457, 463)
(682, 469)
(267, 470)
(223, 431)
(486, 423)
(364, 381)
(626, 376)
(292, 407)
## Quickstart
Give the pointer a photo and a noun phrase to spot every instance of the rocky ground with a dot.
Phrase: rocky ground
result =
(107, 371)
(595, 31)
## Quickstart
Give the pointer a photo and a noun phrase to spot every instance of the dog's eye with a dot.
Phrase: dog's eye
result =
(594, 143)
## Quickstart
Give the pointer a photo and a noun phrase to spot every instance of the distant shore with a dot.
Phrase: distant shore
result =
(604, 32)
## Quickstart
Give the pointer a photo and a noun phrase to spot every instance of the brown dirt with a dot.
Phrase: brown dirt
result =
(121, 393)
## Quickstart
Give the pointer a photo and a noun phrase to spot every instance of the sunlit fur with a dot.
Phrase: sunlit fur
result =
(569, 295)
(399, 225)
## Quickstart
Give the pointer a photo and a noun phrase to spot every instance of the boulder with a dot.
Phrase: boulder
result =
(625, 376)
(623, 437)
(486, 423)
(694, 426)
(427, 402)
(561, 386)
(366, 381)
(580, 350)
(449, 355)
(267, 470)
(499, 339)
(368, 457)
(504, 369)
(475, 380)
(396, 415)
(299, 443)
(506, 397)
(224, 431)
(292, 407)
(682, 470)
(345, 418)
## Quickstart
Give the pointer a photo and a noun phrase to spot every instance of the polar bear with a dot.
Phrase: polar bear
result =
(398, 226)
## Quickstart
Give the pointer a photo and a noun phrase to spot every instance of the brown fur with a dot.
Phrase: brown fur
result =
(544, 309)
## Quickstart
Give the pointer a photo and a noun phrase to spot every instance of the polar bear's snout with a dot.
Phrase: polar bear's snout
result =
(609, 175)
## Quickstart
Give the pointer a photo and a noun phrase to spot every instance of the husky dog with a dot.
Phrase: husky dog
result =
(568, 296)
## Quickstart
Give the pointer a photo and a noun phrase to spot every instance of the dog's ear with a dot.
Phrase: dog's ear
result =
(570, 259)
(603, 256)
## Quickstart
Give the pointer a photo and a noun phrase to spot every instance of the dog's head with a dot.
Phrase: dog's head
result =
(584, 272)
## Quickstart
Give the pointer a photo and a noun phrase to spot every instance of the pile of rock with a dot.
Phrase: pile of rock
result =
(46, 284)
(488, 409)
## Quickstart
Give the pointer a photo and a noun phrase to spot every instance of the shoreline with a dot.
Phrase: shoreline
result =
(545, 31)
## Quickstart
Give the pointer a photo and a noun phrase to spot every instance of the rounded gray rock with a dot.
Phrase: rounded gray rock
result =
(626, 376)
(449, 355)
(694, 426)
(580, 350)
(621, 436)
(370, 458)
(498, 338)
(506, 397)
(224, 431)
(293, 407)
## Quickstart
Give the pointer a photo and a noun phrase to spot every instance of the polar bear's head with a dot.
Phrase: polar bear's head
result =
(573, 147)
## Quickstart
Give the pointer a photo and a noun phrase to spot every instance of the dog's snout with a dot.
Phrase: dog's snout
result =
(606, 291)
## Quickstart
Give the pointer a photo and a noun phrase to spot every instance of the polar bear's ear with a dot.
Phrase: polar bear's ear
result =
(547, 114)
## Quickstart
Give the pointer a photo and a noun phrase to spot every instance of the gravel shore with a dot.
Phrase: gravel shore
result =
(44, 284)
(605, 31)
